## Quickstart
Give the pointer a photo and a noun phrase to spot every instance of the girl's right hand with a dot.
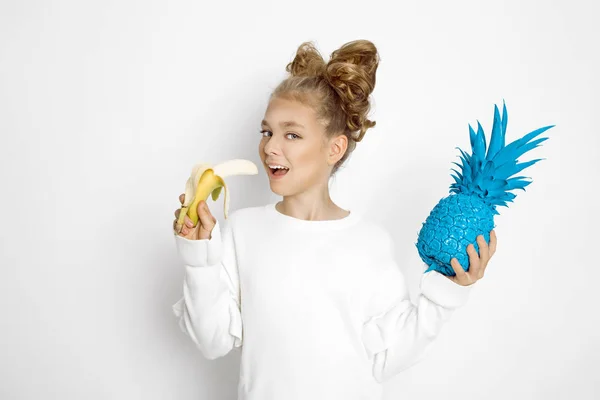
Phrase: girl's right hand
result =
(204, 227)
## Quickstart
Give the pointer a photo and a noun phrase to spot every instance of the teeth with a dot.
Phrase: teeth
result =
(278, 167)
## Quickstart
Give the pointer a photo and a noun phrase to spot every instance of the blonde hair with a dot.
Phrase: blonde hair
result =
(338, 91)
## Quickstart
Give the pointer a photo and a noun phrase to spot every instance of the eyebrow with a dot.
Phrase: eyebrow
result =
(285, 124)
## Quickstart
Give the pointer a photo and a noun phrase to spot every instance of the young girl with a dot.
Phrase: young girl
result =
(309, 289)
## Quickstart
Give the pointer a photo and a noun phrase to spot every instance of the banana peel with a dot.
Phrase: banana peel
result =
(208, 180)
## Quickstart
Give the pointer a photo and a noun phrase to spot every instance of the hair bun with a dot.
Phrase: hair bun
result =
(351, 73)
(308, 62)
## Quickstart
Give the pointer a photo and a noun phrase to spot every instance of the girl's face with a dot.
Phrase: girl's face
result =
(292, 137)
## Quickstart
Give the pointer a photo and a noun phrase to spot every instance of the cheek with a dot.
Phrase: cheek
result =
(309, 165)
(312, 158)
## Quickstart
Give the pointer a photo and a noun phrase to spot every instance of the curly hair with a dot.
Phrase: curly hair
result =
(338, 90)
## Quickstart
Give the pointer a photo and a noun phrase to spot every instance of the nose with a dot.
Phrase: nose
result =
(271, 147)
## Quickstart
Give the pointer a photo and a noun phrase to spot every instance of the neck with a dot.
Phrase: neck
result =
(311, 205)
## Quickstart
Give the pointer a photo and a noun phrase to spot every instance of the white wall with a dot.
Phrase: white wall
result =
(106, 105)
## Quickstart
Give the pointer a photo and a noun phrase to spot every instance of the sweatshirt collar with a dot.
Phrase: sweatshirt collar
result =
(323, 225)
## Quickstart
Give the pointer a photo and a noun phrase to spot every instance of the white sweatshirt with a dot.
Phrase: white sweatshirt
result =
(319, 309)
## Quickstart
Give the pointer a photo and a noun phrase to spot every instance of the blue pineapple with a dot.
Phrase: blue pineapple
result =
(469, 210)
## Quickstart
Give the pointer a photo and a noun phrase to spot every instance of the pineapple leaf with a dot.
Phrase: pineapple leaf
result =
(511, 151)
(522, 166)
(465, 155)
(458, 173)
(480, 143)
(515, 183)
(525, 148)
(496, 184)
(498, 134)
(456, 179)
(461, 168)
(504, 121)
(472, 136)
(509, 169)
(489, 168)
(466, 163)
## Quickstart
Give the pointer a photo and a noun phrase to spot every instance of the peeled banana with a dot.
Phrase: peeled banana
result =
(206, 180)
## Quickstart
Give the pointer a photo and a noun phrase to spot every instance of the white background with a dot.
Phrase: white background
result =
(106, 105)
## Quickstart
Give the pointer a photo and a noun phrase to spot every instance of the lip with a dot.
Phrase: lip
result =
(267, 163)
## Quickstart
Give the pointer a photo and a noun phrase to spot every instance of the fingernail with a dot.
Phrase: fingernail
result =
(189, 223)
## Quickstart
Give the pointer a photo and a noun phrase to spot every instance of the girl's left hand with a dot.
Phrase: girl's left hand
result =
(477, 264)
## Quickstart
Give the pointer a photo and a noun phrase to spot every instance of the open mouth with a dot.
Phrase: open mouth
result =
(278, 171)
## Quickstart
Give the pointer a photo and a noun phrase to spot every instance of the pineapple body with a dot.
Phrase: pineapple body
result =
(451, 226)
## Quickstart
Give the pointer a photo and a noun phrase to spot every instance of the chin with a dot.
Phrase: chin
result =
(276, 191)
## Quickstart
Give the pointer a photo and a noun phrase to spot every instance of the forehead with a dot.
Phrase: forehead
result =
(288, 113)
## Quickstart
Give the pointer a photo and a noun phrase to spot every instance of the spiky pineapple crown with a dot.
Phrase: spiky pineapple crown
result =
(488, 176)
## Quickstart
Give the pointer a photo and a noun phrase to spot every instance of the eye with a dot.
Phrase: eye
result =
(289, 133)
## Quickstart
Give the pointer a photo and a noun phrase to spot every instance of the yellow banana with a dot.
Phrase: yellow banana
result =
(206, 180)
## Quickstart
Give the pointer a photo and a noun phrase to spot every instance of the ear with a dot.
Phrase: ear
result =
(337, 148)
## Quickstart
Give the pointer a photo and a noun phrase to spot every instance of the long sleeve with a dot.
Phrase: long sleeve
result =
(401, 333)
(209, 310)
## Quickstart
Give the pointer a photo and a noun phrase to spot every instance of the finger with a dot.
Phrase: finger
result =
(484, 251)
(208, 220)
(458, 270)
(204, 211)
(474, 263)
(188, 221)
(176, 227)
(493, 242)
